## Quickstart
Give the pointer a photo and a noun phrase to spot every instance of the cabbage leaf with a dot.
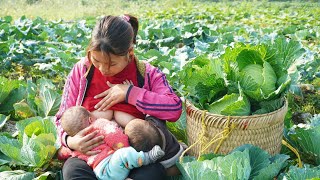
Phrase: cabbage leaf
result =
(35, 145)
(17, 174)
(244, 162)
(6, 86)
(232, 166)
(306, 137)
(306, 172)
(233, 104)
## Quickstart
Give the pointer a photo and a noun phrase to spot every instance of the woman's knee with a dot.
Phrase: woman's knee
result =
(75, 168)
(153, 171)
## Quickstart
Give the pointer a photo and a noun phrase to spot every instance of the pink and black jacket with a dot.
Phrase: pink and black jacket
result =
(154, 96)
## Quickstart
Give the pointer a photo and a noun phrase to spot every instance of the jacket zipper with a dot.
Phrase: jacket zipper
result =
(84, 92)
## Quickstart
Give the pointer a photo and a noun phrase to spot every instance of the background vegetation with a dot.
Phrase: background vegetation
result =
(41, 40)
(83, 9)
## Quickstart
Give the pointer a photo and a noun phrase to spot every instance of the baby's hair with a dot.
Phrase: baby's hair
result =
(143, 136)
(73, 119)
(114, 34)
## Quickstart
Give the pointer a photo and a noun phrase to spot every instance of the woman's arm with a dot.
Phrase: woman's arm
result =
(69, 98)
(83, 141)
(159, 101)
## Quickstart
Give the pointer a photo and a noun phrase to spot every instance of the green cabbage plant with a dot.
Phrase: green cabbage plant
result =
(246, 79)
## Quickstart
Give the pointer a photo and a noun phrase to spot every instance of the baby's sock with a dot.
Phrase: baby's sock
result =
(153, 155)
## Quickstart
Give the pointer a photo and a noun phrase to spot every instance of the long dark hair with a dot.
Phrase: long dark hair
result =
(114, 34)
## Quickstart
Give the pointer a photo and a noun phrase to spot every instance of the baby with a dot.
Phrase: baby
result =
(116, 157)
(167, 140)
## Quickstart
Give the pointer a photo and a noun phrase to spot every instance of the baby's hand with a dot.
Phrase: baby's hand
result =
(127, 82)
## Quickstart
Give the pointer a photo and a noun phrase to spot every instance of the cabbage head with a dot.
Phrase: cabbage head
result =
(260, 80)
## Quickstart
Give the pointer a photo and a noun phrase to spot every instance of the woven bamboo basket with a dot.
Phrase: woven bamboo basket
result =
(263, 130)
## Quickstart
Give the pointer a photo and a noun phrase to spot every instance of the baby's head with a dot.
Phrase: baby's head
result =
(74, 119)
(143, 135)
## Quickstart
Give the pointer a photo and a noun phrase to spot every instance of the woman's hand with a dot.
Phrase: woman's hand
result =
(117, 93)
(127, 82)
(84, 142)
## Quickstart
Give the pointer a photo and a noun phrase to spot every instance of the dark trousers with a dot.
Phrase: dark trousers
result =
(76, 169)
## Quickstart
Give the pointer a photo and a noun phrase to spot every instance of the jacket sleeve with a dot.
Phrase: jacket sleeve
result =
(159, 101)
(69, 98)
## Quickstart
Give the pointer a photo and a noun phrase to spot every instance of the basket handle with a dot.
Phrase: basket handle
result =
(201, 136)
(225, 134)
(295, 151)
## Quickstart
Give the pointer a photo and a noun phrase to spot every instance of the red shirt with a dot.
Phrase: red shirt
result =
(98, 85)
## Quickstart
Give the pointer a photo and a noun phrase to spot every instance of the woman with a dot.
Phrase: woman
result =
(95, 82)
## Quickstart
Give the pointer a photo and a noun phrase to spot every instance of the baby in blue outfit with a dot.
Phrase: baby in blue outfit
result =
(114, 161)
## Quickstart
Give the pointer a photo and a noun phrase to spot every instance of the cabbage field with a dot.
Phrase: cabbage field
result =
(227, 58)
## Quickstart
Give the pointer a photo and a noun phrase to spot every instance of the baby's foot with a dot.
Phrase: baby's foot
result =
(155, 153)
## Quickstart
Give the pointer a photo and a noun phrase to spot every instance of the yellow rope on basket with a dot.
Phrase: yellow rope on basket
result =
(227, 130)
(200, 137)
(225, 134)
(295, 151)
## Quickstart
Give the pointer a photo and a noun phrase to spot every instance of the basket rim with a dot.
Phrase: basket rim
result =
(191, 106)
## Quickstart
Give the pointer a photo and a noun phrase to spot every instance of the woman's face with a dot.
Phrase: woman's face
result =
(101, 62)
